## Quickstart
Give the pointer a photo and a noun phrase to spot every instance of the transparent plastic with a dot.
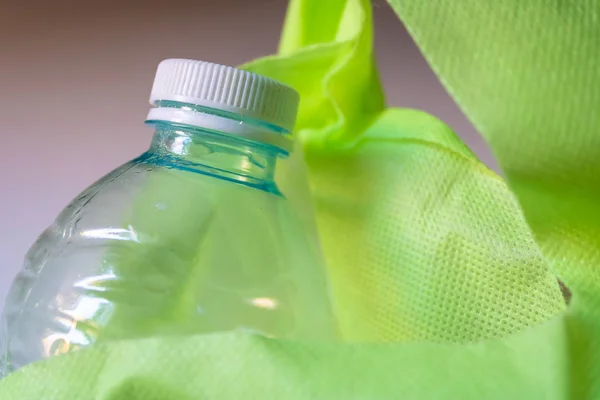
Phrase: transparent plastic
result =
(193, 236)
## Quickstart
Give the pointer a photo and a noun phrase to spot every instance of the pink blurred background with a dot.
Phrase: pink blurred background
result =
(75, 78)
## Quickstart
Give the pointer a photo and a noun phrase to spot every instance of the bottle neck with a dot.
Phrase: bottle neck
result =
(217, 153)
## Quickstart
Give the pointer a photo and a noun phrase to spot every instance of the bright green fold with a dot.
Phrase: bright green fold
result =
(525, 73)
(231, 366)
(422, 241)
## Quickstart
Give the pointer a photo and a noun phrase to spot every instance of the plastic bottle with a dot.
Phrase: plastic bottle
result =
(193, 236)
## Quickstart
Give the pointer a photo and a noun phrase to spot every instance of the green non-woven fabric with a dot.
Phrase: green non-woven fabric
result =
(421, 240)
(428, 251)
(530, 365)
(525, 73)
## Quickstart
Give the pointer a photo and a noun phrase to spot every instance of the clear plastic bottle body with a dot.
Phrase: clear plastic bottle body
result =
(191, 237)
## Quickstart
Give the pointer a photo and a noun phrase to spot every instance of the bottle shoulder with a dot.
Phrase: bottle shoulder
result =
(143, 197)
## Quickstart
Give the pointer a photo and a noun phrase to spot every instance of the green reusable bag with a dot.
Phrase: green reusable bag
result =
(444, 282)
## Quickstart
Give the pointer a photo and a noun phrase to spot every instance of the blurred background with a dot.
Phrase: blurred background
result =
(75, 77)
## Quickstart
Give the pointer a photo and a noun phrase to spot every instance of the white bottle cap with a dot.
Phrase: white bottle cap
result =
(226, 88)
